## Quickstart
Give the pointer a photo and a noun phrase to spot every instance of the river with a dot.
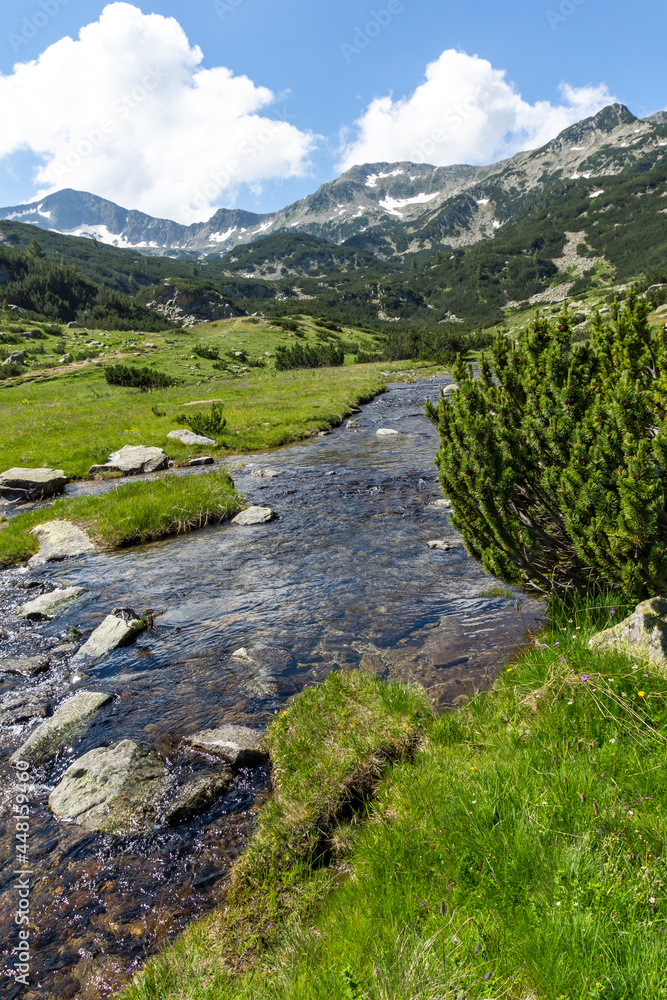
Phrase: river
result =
(342, 578)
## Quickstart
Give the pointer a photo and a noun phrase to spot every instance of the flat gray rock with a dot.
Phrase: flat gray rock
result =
(44, 606)
(441, 504)
(386, 432)
(642, 634)
(443, 545)
(265, 473)
(59, 540)
(132, 460)
(26, 666)
(22, 708)
(238, 745)
(189, 437)
(114, 633)
(69, 720)
(254, 515)
(196, 796)
(32, 484)
(114, 789)
(202, 460)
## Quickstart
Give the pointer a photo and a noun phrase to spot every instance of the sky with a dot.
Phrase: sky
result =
(176, 109)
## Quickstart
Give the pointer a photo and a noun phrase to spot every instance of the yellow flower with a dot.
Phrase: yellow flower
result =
(641, 694)
(473, 768)
(510, 669)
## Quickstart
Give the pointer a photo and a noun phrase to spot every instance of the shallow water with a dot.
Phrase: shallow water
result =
(343, 578)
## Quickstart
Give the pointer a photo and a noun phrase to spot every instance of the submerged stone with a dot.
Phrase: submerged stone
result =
(238, 745)
(69, 720)
(59, 540)
(114, 633)
(254, 515)
(27, 666)
(642, 634)
(114, 789)
(196, 796)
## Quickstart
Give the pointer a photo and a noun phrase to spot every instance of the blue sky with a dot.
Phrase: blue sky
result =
(285, 94)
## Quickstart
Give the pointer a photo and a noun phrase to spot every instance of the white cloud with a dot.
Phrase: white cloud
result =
(464, 112)
(127, 112)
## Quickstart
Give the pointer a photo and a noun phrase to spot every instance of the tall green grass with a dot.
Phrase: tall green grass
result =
(521, 854)
(131, 514)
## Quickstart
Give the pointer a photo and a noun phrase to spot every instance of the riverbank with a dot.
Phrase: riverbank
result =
(130, 514)
(518, 852)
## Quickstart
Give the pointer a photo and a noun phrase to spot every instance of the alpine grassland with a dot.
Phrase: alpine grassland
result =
(513, 848)
(130, 513)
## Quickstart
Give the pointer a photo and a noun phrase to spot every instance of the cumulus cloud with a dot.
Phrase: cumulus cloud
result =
(465, 111)
(127, 111)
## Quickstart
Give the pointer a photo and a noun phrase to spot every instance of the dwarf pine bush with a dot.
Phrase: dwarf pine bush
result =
(555, 459)
(211, 423)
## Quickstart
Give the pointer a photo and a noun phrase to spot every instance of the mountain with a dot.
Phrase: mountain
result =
(387, 209)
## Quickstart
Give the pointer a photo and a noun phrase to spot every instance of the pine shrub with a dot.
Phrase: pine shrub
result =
(555, 458)
(137, 378)
(208, 424)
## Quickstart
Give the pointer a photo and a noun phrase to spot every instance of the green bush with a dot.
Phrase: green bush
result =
(204, 351)
(137, 378)
(208, 424)
(555, 459)
(306, 356)
(11, 371)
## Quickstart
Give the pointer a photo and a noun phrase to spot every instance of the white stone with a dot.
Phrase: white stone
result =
(254, 515)
(242, 654)
(441, 504)
(113, 633)
(59, 540)
(134, 460)
(189, 437)
(386, 432)
(45, 605)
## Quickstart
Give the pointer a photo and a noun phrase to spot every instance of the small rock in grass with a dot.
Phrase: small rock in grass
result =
(254, 515)
(70, 719)
(238, 745)
(113, 633)
(42, 607)
(189, 437)
(59, 540)
(642, 634)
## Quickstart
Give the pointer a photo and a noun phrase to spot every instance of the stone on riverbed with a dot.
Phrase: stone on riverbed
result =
(643, 634)
(443, 545)
(26, 666)
(353, 425)
(132, 460)
(114, 633)
(32, 484)
(42, 607)
(203, 460)
(254, 515)
(59, 540)
(196, 796)
(238, 745)
(69, 720)
(189, 437)
(441, 504)
(265, 473)
(23, 707)
(386, 432)
(114, 789)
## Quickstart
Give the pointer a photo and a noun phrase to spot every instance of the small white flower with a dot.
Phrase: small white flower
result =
(474, 802)
(576, 904)
(570, 703)
(651, 899)
(630, 812)
(612, 741)
(557, 904)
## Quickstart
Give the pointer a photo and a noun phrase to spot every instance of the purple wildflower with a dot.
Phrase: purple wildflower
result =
(584, 677)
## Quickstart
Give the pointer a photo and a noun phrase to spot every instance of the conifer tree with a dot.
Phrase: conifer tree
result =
(555, 457)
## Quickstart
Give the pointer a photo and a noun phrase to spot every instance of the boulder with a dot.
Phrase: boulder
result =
(189, 437)
(265, 473)
(114, 633)
(254, 515)
(449, 389)
(16, 358)
(26, 666)
(132, 460)
(66, 359)
(59, 540)
(353, 425)
(642, 634)
(44, 606)
(238, 745)
(69, 720)
(114, 789)
(73, 326)
(32, 484)
(443, 545)
(386, 432)
(202, 460)
(242, 654)
(441, 504)
(196, 796)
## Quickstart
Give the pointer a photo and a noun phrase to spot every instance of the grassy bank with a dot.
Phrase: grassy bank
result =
(68, 417)
(520, 853)
(131, 514)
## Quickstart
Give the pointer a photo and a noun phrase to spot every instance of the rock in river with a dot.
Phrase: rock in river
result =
(385, 432)
(238, 745)
(114, 633)
(114, 789)
(32, 484)
(643, 634)
(189, 437)
(254, 515)
(133, 460)
(196, 796)
(59, 540)
(443, 545)
(27, 666)
(69, 720)
(265, 473)
(42, 607)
